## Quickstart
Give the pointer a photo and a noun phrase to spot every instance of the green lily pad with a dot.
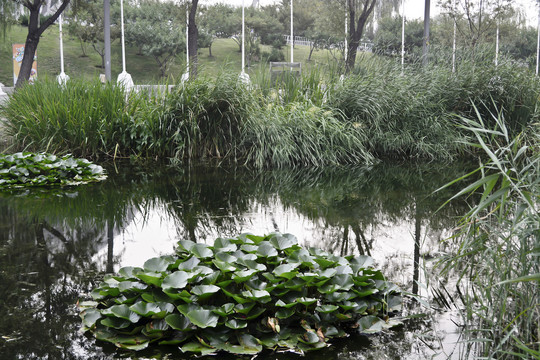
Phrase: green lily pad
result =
(283, 242)
(156, 264)
(205, 291)
(176, 280)
(201, 251)
(122, 312)
(178, 322)
(203, 318)
(287, 271)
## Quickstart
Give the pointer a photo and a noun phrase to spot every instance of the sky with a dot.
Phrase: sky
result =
(414, 9)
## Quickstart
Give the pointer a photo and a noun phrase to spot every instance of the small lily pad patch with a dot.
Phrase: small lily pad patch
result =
(27, 169)
(241, 296)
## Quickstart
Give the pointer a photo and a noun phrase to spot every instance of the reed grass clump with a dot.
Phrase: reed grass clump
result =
(302, 134)
(85, 119)
(411, 113)
(499, 244)
(202, 118)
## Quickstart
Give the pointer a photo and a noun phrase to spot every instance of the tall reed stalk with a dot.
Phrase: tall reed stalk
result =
(499, 244)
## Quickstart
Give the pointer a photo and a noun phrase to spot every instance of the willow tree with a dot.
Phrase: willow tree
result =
(35, 29)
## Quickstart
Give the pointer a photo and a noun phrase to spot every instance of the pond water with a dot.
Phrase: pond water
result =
(56, 244)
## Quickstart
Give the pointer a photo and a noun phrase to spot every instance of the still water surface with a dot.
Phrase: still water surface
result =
(56, 244)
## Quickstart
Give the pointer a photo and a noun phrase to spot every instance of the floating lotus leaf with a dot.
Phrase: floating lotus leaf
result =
(306, 301)
(203, 318)
(150, 277)
(90, 316)
(185, 245)
(249, 248)
(273, 295)
(302, 256)
(281, 303)
(205, 291)
(244, 308)
(127, 272)
(252, 264)
(201, 251)
(122, 312)
(177, 280)
(236, 324)
(370, 324)
(124, 286)
(283, 242)
(224, 266)
(158, 309)
(287, 271)
(243, 275)
(156, 264)
(115, 323)
(266, 249)
(188, 263)
(224, 310)
(224, 245)
(197, 347)
(179, 322)
(285, 313)
(261, 296)
(226, 257)
(326, 309)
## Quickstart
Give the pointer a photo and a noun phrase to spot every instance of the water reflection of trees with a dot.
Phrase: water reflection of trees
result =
(48, 239)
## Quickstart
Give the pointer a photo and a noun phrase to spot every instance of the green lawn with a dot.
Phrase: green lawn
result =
(144, 70)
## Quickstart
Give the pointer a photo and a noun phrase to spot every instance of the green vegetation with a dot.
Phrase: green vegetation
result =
(86, 64)
(241, 295)
(378, 112)
(28, 169)
(499, 242)
(86, 119)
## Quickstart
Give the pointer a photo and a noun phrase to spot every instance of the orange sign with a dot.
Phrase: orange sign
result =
(18, 53)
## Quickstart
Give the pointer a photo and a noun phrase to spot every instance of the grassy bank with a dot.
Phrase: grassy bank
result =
(378, 112)
(143, 69)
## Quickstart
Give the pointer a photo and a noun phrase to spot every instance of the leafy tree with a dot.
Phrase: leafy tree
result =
(387, 39)
(86, 23)
(477, 19)
(35, 29)
(156, 29)
(218, 21)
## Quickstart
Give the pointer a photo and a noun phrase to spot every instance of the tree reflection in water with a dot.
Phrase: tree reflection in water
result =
(51, 240)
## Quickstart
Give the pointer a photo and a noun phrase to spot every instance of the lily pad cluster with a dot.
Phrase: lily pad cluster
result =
(241, 295)
(25, 169)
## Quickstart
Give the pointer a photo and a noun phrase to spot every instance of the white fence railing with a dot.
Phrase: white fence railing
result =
(366, 46)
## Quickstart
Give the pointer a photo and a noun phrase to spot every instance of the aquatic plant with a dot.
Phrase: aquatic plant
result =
(241, 295)
(86, 119)
(30, 169)
(499, 242)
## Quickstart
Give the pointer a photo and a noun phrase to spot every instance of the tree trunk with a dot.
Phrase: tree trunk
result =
(193, 35)
(356, 26)
(34, 33)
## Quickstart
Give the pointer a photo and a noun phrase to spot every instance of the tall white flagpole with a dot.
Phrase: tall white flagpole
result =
(402, 35)
(454, 42)
(62, 78)
(124, 78)
(292, 33)
(244, 77)
(185, 76)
